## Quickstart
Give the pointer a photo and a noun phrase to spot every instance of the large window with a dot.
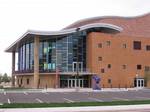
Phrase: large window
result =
(47, 55)
(27, 57)
(59, 52)
(23, 57)
(20, 59)
(137, 45)
(31, 56)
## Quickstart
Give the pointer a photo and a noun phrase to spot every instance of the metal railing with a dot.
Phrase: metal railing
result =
(83, 70)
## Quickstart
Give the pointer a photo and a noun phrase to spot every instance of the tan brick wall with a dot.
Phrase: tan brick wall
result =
(48, 80)
(24, 81)
(117, 56)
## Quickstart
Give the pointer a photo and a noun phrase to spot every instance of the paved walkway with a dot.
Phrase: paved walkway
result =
(125, 108)
(69, 90)
(86, 89)
(90, 89)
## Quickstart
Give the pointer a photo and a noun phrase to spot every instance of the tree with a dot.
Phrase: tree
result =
(0, 78)
(5, 78)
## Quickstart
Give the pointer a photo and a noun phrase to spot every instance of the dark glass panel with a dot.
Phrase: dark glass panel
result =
(137, 45)
(31, 56)
(27, 57)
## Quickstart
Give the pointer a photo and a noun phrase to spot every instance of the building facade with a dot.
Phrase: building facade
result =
(115, 49)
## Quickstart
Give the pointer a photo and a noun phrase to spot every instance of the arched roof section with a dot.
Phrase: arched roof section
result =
(130, 26)
(62, 32)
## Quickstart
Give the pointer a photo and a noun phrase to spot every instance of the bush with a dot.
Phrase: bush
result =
(1, 87)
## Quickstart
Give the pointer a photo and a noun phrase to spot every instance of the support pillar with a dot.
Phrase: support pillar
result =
(56, 78)
(13, 68)
(36, 62)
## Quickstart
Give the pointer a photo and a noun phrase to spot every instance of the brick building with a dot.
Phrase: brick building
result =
(115, 49)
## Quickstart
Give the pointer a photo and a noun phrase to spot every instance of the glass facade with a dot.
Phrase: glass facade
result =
(47, 55)
(25, 57)
(54, 53)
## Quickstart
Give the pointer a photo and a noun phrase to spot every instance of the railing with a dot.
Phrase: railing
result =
(32, 71)
(80, 70)
(85, 70)
(24, 71)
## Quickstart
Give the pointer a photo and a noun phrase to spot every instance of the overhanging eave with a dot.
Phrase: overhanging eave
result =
(14, 45)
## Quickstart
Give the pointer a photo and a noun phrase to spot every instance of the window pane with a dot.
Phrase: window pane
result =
(99, 45)
(109, 65)
(27, 57)
(108, 43)
(99, 58)
(124, 66)
(102, 70)
(137, 45)
(139, 67)
(148, 47)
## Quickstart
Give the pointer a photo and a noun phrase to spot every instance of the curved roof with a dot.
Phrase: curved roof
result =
(62, 32)
(133, 26)
(72, 30)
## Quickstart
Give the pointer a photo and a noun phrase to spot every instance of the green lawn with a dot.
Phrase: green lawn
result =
(77, 104)
(20, 89)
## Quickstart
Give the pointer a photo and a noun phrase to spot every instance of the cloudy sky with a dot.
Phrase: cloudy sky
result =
(17, 16)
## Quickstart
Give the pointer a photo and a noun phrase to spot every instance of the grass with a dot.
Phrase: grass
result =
(20, 89)
(14, 88)
(77, 104)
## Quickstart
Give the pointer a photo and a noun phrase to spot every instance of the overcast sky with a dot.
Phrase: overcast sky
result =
(17, 16)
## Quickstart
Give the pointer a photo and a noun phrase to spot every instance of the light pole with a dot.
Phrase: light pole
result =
(77, 75)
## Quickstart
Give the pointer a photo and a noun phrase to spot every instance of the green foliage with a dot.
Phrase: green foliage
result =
(4, 78)
(0, 78)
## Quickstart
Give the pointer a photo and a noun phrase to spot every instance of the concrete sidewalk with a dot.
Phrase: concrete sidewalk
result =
(70, 90)
(89, 90)
(82, 109)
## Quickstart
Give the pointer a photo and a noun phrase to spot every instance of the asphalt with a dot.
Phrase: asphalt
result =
(69, 97)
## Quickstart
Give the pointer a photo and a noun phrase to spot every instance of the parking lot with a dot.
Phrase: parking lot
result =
(69, 97)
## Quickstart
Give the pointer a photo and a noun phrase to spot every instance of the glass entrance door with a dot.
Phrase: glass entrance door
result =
(72, 83)
(67, 81)
(139, 83)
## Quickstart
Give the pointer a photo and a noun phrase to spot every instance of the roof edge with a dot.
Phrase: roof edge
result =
(107, 17)
(62, 32)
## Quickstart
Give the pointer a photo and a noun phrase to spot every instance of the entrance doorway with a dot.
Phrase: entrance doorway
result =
(139, 82)
(72, 83)
(68, 81)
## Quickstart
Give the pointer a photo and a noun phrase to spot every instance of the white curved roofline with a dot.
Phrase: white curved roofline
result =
(67, 31)
(72, 30)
